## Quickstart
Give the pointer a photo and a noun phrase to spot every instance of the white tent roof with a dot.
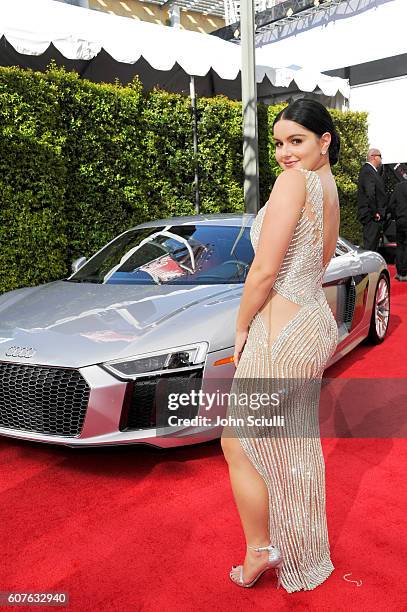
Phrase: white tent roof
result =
(80, 34)
(354, 32)
(307, 79)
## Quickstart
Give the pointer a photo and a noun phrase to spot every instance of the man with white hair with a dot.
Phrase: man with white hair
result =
(372, 200)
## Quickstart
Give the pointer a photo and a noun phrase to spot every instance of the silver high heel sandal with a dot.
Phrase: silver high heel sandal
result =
(275, 560)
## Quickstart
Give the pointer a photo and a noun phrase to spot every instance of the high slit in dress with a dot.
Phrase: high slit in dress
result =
(289, 457)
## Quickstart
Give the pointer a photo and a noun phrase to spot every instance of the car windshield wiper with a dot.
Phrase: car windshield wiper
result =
(81, 280)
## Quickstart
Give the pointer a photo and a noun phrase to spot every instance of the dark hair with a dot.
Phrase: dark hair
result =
(314, 117)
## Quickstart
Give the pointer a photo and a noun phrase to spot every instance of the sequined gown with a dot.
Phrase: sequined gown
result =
(290, 458)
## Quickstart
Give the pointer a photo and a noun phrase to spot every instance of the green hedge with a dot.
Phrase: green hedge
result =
(81, 162)
(102, 127)
(33, 179)
(352, 128)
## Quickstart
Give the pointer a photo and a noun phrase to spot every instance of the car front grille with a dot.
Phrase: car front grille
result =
(146, 402)
(45, 400)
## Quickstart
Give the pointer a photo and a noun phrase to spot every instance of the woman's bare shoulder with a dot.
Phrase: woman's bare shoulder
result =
(290, 176)
(290, 181)
(289, 192)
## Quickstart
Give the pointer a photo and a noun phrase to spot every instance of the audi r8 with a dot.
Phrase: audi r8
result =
(90, 360)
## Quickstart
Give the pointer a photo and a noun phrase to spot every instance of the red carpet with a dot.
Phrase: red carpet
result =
(129, 529)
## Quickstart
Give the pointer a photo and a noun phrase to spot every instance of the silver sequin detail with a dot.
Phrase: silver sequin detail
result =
(290, 459)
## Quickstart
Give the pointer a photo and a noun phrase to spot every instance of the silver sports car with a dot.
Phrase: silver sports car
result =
(90, 360)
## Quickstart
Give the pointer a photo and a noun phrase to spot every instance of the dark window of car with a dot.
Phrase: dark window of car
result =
(179, 254)
(342, 248)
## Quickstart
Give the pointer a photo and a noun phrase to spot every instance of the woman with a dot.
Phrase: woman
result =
(285, 334)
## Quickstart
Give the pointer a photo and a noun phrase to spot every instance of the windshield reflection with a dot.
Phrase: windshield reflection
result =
(178, 254)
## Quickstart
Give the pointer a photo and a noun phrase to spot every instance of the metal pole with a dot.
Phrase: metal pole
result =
(195, 136)
(83, 3)
(249, 108)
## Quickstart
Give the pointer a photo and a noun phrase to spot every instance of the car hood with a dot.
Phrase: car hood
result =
(78, 324)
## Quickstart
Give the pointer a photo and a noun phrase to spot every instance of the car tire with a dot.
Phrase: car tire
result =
(379, 322)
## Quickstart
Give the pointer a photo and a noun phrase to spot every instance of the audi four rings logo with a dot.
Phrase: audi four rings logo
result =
(20, 351)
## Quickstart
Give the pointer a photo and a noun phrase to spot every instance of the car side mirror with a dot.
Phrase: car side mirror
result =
(77, 264)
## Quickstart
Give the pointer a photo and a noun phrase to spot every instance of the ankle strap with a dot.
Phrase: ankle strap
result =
(259, 548)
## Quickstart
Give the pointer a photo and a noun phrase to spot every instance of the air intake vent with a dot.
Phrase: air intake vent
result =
(350, 304)
(146, 403)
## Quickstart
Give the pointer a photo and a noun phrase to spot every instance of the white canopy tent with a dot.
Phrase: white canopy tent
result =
(364, 40)
(103, 47)
(386, 103)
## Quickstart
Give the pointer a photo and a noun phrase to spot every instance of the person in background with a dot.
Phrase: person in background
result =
(372, 200)
(398, 211)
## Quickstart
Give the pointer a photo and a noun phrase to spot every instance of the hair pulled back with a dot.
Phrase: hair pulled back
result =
(314, 117)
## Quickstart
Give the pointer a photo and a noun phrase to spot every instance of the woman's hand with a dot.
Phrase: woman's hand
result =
(240, 341)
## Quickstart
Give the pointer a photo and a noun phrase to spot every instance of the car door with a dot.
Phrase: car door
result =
(345, 288)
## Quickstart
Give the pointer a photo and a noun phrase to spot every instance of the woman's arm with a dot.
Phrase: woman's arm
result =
(280, 220)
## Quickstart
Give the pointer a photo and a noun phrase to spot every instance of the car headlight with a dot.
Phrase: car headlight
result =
(189, 357)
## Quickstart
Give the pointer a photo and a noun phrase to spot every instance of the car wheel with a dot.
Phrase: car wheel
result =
(381, 311)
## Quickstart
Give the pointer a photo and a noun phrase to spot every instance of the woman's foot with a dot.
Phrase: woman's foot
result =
(253, 564)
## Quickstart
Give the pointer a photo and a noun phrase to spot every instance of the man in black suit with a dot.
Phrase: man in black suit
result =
(398, 210)
(372, 200)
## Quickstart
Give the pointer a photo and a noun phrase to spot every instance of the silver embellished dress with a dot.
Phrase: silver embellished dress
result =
(290, 367)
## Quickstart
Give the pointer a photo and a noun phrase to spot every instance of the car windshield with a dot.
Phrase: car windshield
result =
(172, 255)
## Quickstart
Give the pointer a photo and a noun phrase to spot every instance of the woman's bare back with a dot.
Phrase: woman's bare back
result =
(331, 216)
(277, 310)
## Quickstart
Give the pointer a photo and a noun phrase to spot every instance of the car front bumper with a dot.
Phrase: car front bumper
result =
(103, 415)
